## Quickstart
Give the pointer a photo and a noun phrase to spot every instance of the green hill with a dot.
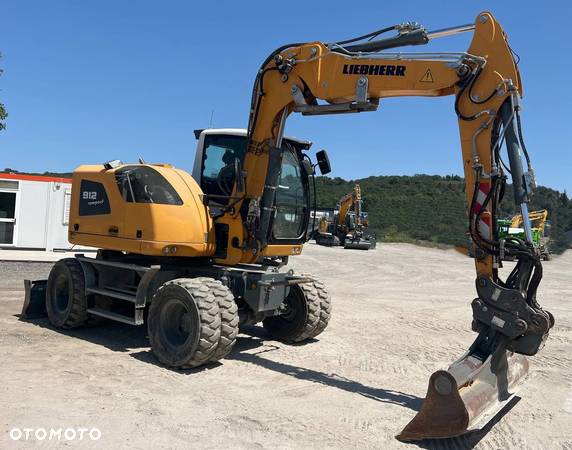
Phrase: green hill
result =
(432, 208)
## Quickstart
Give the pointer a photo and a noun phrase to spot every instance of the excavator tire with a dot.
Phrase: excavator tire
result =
(66, 304)
(300, 317)
(325, 306)
(184, 323)
(228, 311)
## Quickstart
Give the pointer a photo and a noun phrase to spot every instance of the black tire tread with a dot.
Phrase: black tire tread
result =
(210, 322)
(228, 310)
(313, 318)
(78, 315)
(325, 306)
(310, 321)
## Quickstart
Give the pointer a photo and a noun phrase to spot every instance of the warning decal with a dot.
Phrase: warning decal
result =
(428, 77)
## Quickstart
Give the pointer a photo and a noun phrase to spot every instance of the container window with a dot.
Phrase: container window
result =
(8, 184)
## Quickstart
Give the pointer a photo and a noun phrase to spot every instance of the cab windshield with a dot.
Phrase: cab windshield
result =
(217, 171)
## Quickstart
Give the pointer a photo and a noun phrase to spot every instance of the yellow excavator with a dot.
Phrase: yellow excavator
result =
(325, 232)
(348, 225)
(196, 258)
(539, 225)
(353, 224)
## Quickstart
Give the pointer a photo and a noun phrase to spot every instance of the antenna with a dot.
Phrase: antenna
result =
(211, 122)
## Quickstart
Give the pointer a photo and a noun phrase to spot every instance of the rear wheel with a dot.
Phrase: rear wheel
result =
(66, 303)
(184, 322)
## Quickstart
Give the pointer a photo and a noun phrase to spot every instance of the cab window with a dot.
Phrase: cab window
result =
(142, 184)
(217, 171)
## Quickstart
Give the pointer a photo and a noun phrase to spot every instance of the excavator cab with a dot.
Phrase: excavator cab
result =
(220, 151)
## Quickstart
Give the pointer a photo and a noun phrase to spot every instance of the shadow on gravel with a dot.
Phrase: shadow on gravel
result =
(469, 440)
(256, 340)
(115, 336)
(123, 338)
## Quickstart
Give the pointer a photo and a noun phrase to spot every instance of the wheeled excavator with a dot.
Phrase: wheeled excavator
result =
(352, 224)
(194, 264)
(325, 234)
(348, 225)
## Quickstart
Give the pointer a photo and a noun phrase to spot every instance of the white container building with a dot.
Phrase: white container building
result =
(34, 212)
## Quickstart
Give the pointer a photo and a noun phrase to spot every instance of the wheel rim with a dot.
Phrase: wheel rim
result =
(294, 308)
(176, 325)
(60, 297)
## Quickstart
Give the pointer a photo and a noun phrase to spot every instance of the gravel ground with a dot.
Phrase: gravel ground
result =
(400, 313)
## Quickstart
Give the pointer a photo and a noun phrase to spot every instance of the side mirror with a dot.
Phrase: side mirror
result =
(323, 162)
(238, 176)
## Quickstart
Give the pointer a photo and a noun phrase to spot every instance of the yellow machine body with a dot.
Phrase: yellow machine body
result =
(143, 227)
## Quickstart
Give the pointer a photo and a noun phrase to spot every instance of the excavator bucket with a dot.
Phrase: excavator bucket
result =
(467, 395)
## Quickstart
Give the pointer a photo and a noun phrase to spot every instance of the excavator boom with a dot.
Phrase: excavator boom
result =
(355, 76)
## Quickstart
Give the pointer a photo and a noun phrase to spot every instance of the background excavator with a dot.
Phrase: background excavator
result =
(195, 259)
(325, 232)
(539, 226)
(348, 226)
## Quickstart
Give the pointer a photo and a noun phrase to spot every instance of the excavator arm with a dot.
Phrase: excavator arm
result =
(344, 206)
(318, 78)
(347, 202)
(536, 218)
(355, 76)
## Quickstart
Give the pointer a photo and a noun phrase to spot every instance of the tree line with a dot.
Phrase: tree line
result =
(431, 208)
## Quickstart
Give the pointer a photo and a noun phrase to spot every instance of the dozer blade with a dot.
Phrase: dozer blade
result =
(360, 244)
(466, 396)
(35, 300)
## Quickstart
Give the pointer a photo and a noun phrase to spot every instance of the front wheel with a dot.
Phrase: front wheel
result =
(305, 313)
(325, 306)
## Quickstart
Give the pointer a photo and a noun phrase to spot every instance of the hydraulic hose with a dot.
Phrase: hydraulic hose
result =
(414, 37)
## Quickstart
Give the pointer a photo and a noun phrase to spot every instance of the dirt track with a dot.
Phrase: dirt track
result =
(400, 313)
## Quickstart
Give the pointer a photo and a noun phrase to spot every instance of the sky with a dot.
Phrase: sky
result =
(90, 81)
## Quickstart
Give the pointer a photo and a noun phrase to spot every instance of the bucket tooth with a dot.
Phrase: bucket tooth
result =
(466, 396)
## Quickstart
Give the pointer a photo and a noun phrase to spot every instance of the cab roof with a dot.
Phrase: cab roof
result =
(303, 143)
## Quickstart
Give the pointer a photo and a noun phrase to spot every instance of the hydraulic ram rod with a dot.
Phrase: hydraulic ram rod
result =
(450, 31)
